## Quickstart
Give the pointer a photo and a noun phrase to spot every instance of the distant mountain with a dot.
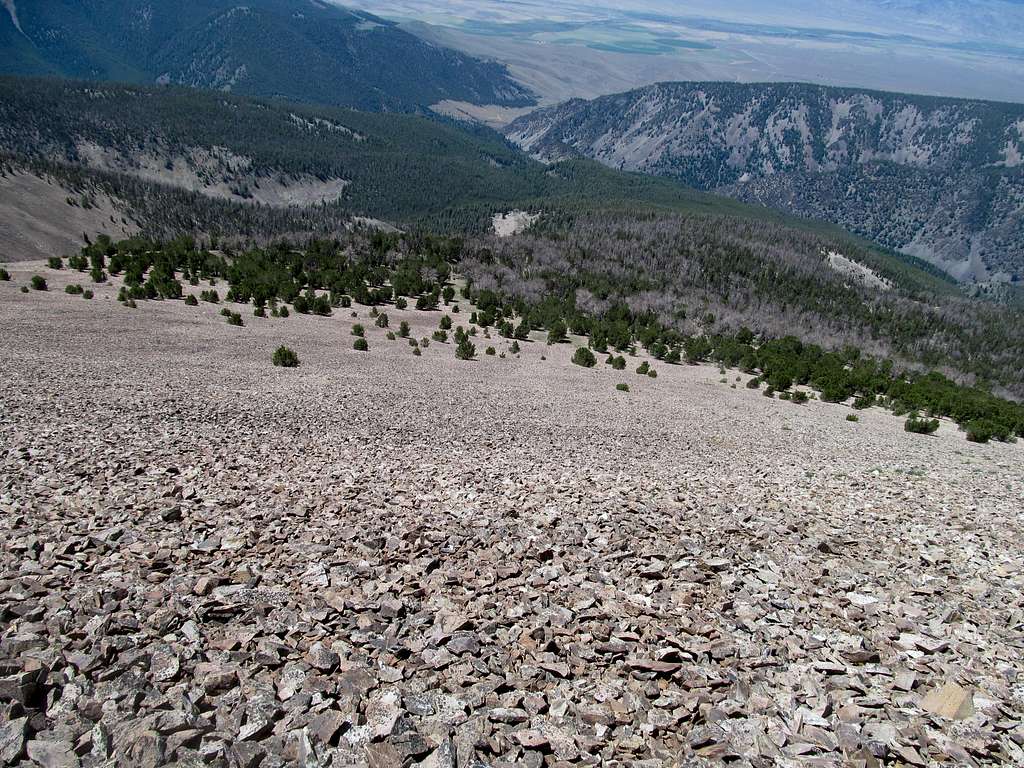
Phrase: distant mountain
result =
(305, 50)
(942, 179)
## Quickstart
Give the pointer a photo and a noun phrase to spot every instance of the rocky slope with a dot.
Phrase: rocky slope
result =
(942, 179)
(387, 560)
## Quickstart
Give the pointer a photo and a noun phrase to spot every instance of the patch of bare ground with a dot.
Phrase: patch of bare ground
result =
(384, 559)
(37, 220)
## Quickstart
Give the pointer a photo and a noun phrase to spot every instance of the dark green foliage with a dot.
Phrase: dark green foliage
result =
(87, 294)
(403, 329)
(754, 383)
(557, 333)
(852, 417)
(98, 275)
(361, 345)
(282, 311)
(490, 351)
(234, 318)
(514, 347)
(382, 320)
(4, 275)
(651, 373)
(78, 262)
(983, 430)
(619, 363)
(622, 387)
(782, 395)
(259, 311)
(921, 426)
(644, 368)
(448, 294)
(584, 357)
(191, 300)
(210, 296)
(440, 336)
(799, 397)
(465, 350)
(38, 283)
(24, 289)
(416, 351)
(864, 401)
(55, 262)
(401, 303)
(358, 330)
(285, 357)
(73, 289)
(446, 323)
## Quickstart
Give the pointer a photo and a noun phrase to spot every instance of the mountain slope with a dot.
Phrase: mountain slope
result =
(299, 49)
(942, 179)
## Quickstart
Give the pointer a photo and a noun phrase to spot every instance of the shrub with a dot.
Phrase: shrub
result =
(211, 296)
(768, 392)
(283, 311)
(260, 311)
(285, 357)
(490, 351)
(455, 307)
(619, 363)
(382, 320)
(622, 387)
(235, 319)
(852, 417)
(584, 357)
(24, 289)
(5, 275)
(416, 351)
(514, 347)
(361, 345)
(87, 294)
(358, 330)
(864, 401)
(98, 275)
(74, 290)
(446, 323)
(38, 283)
(391, 335)
(799, 397)
(920, 426)
(782, 395)
(424, 342)
(652, 374)
(131, 304)
(401, 303)
(643, 368)
(465, 350)
(403, 329)
(980, 430)
(558, 333)
(225, 312)
(55, 262)
(754, 383)
(441, 336)
(191, 301)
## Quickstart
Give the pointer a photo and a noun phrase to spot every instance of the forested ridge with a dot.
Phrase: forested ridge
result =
(294, 49)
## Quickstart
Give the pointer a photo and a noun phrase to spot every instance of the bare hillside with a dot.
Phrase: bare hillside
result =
(40, 217)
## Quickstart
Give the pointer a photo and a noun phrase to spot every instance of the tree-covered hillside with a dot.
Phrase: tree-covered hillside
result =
(305, 50)
(940, 178)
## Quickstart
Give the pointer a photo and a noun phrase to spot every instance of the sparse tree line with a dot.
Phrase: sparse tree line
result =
(378, 269)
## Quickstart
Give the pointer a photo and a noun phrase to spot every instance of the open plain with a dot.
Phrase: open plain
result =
(383, 559)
